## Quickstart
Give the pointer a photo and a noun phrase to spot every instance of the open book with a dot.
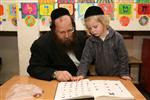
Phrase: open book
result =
(96, 89)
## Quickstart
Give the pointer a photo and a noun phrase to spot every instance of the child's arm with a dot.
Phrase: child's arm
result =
(123, 58)
(86, 59)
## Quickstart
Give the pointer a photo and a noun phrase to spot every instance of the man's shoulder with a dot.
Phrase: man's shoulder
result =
(44, 39)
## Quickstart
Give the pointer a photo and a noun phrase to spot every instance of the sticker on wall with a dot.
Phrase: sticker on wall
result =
(143, 9)
(1, 13)
(104, 1)
(65, 1)
(108, 9)
(82, 8)
(29, 9)
(0, 20)
(86, 1)
(124, 20)
(13, 13)
(124, 13)
(45, 21)
(46, 9)
(1, 10)
(14, 21)
(12, 8)
(124, 1)
(144, 20)
(30, 20)
(125, 9)
(68, 6)
(46, 1)
(142, 1)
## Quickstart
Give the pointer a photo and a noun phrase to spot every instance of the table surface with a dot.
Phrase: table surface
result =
(49, 87)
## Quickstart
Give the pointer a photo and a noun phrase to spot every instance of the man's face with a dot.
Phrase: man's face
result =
(64, 29)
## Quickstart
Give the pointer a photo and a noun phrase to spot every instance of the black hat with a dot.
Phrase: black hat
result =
(93, 10)
(59, 12)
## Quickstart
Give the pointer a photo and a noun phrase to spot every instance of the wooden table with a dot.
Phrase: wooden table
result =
(49, 87)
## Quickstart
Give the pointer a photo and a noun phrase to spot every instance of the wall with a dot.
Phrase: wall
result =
(26, 35)
(9, 55)
(134, 47)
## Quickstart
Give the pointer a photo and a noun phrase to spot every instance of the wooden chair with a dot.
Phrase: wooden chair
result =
(145, 69)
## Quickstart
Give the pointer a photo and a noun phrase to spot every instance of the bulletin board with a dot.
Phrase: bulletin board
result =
(124, 15)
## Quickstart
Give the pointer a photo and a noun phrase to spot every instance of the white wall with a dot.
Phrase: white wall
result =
(26, 36)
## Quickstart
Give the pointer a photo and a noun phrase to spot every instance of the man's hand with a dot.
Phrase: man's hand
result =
(63, 76)
(77, 78)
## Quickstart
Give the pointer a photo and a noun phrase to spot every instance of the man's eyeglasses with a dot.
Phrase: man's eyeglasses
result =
(68, 31)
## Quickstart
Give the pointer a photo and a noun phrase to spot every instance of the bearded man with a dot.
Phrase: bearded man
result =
(56, 54)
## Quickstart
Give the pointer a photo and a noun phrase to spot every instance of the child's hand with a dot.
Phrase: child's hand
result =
(77, 78)
(126, 77)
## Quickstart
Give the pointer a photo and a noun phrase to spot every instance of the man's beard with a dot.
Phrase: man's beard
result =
(67, 45)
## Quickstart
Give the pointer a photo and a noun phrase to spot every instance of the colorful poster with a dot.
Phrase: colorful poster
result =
(29, 9)
(125, 9)
(68, 6)
(1, 10)
(13, 13)
(104, 1)
(124, 20)
(1, 13)
(144, 20)
(143, 13)
(65, 1)
(30, 20)
(82, 8)
(142, 1)
(108, 9)
(123, 1)
(46, 9)
(45, 21)
(143, 9)
(46, 1)
(124, 13)
(12, 8)
(86, 1)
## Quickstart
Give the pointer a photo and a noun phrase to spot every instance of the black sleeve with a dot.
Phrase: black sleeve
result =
(82, 36)
(39, 64)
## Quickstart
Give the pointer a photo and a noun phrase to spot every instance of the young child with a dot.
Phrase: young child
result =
(105, 47)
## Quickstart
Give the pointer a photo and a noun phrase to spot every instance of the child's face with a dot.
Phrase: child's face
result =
(94, 27)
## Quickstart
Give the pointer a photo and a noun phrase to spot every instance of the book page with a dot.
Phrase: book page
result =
(98, 89)
(110, 88)
(73, 90)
